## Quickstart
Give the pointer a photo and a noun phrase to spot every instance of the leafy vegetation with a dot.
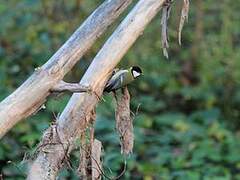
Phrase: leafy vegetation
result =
(187, 123)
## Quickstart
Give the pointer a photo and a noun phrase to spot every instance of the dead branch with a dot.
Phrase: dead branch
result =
(71, 87)
(73, 121)
(33, 92)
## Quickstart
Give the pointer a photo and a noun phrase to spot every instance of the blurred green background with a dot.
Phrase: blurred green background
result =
(187, 126)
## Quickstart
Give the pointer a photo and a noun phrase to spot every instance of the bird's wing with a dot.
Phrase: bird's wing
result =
(116, 80)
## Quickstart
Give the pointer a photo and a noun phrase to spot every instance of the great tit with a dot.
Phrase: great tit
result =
(122, 78)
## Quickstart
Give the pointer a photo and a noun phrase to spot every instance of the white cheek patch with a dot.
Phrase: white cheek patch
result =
(136, 74)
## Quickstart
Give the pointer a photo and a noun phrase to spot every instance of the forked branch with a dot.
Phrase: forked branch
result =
(73, 119)
(32, 93)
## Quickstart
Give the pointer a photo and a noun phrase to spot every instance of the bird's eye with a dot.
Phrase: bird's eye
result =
(136, 74)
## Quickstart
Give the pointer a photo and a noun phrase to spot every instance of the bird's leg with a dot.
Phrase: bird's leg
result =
(122, 89)
(115, 94)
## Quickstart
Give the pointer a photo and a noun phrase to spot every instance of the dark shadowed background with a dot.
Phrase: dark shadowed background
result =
(187, 125)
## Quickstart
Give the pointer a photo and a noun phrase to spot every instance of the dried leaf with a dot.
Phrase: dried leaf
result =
(184, 17)
(165, 15)
(124, 122)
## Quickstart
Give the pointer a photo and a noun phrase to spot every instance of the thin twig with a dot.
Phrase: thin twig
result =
(101, 171)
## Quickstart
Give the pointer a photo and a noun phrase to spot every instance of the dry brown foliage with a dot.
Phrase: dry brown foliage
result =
(124, 122)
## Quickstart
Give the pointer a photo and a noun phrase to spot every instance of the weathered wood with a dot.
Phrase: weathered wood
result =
(33, 92)
(73, 119)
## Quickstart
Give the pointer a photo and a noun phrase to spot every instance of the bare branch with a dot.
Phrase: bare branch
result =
(33, 92)
(71, 87)
(73, 121)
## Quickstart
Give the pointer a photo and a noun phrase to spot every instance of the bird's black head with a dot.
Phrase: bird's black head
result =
(136, 71)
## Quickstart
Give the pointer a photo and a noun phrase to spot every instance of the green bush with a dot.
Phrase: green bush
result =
(187, 126)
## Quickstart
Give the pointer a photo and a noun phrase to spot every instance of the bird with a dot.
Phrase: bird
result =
(122, 77)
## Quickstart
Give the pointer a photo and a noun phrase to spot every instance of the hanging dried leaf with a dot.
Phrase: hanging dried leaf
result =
(124, 122)
(184, 17)
(164, 22)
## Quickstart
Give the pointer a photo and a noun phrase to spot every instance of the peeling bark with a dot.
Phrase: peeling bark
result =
(96, 160)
